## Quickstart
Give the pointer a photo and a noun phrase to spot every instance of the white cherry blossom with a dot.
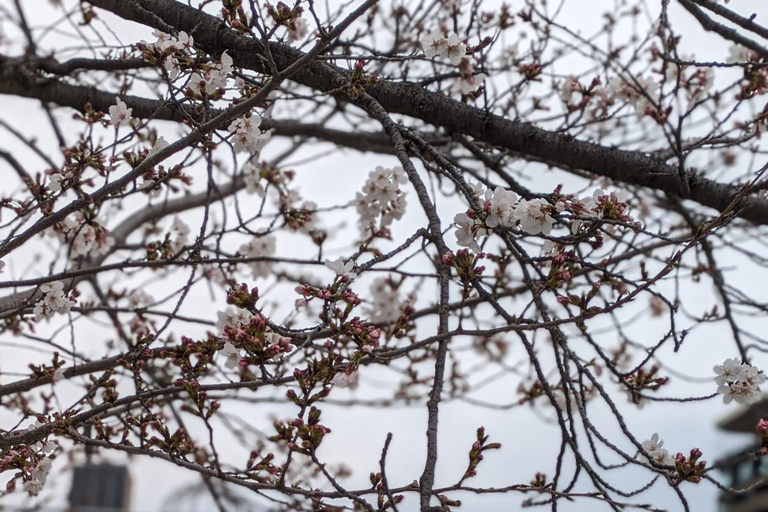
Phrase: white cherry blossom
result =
(434, 44)
(232, 317)
(231, 355)
(738, 382)
(468, 231)
(264, 247)
(342, 380)
(455, 49)
(120, 114)
(533, 217)
(342, 269)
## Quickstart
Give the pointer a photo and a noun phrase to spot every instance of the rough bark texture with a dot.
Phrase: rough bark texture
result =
(412, 100)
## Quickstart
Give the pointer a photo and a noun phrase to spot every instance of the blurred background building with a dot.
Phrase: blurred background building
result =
(745, 470)
(100, 488)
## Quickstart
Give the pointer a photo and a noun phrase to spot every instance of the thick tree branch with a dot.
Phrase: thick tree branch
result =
(633, 167)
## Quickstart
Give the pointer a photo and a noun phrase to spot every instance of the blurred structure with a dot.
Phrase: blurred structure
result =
(745, 469)
(100, 488)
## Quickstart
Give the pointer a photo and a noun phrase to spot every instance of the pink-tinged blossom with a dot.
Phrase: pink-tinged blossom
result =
(37, 477)
(120, 114)
(171, 65)
(247, 136)
(208, 81)
(159, 145)
(342, 380)
(298, 30)
(641, 93)
(740, 54)
(54, 182)
(569, 86)
(385, 299)
(434, 44)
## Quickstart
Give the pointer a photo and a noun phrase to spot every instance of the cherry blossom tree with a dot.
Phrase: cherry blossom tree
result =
(223, 220)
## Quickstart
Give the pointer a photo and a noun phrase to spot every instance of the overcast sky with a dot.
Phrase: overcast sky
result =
(530, 440)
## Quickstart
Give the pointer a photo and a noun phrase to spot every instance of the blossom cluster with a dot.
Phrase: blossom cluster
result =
(248, 332)
(653, 447)
(381, 197)
(86, 238)
(504, 209)
(37, 477)
(386, 304)
(738, 381)
(247, 136)
(169, 50)
(641, 93)
(54, 300)
(436, 44)
(259, 247)
(209, 80)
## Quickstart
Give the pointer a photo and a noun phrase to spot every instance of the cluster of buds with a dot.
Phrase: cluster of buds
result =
(169, 53)
(260, 344)
(290, 18)
(366, 336)
(643, 379)
(331, 294)
(199, 397)
(531, 392)
(176, 445)
(264, 464)
(762, 431)
(240, 297)
(611, 206)
(476, 452)
(755, 82)
(233, 13)
(81, 157)
(358, 81)
(530, 71)
(33, 469)
(582, 301)
(571, 86)
(403, 324)
(465, 263)
(539, 482)
(560, 269)
(297, 218)
(90, 115)
(384, 503)
(302, 437)
(690, 469)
